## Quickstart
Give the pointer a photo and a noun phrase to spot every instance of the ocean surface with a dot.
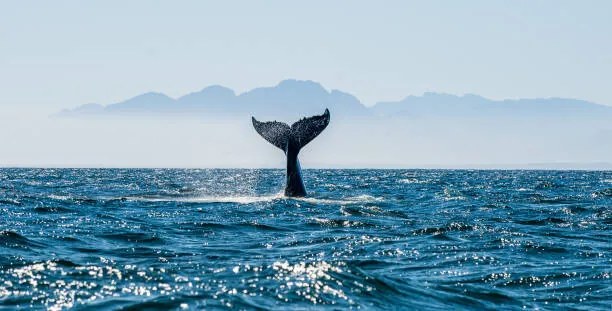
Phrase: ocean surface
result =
(363, 239)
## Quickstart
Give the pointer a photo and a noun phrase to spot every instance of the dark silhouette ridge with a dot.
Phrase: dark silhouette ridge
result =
(308, 97)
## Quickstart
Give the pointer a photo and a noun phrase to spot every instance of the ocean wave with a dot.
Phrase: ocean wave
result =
(603, 193)
(207, 199)
(13, 239)
(455, 226)
(331, 222)
(133, 237)
(52, 209)
(543, 222)
(238, 199)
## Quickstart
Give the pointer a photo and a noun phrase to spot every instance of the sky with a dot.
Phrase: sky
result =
(61, 54)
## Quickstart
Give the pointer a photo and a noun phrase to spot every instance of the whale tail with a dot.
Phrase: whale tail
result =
(297, 136)
(290, 139)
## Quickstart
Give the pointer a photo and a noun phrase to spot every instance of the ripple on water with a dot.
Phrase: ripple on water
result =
(11, 239)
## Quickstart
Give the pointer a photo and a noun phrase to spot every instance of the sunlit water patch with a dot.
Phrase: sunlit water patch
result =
(363, 239)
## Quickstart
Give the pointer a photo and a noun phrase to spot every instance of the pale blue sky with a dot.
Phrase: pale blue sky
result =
(59, 54)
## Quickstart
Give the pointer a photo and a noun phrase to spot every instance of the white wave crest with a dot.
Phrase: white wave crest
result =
(210, 199)
(255, 199)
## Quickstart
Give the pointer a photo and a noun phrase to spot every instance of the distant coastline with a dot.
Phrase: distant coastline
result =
(309, 97)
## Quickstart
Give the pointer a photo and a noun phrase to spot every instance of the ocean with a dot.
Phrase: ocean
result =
(109, 239)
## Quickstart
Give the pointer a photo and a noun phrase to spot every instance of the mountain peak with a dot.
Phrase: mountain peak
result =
(151, 95)
(217, 89)
(213, 92)
(439, 95)
(303, 85)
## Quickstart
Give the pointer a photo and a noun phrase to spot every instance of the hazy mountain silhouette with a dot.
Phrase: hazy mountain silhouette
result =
(306, 97)
(148, 102)
(288, 99)
(437, 104)
(294, 98)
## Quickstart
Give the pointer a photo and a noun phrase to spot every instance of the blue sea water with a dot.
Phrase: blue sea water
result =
(363, 239)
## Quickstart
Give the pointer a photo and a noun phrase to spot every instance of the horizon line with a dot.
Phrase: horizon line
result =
(597, 166)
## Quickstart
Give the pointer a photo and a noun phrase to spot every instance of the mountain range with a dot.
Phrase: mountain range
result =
(294, 98)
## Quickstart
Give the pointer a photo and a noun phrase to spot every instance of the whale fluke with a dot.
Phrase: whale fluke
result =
(291, 140)
(306, 129)
(302, 131)
(276, 133)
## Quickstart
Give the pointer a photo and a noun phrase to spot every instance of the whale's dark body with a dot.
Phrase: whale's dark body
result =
(291, 140)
